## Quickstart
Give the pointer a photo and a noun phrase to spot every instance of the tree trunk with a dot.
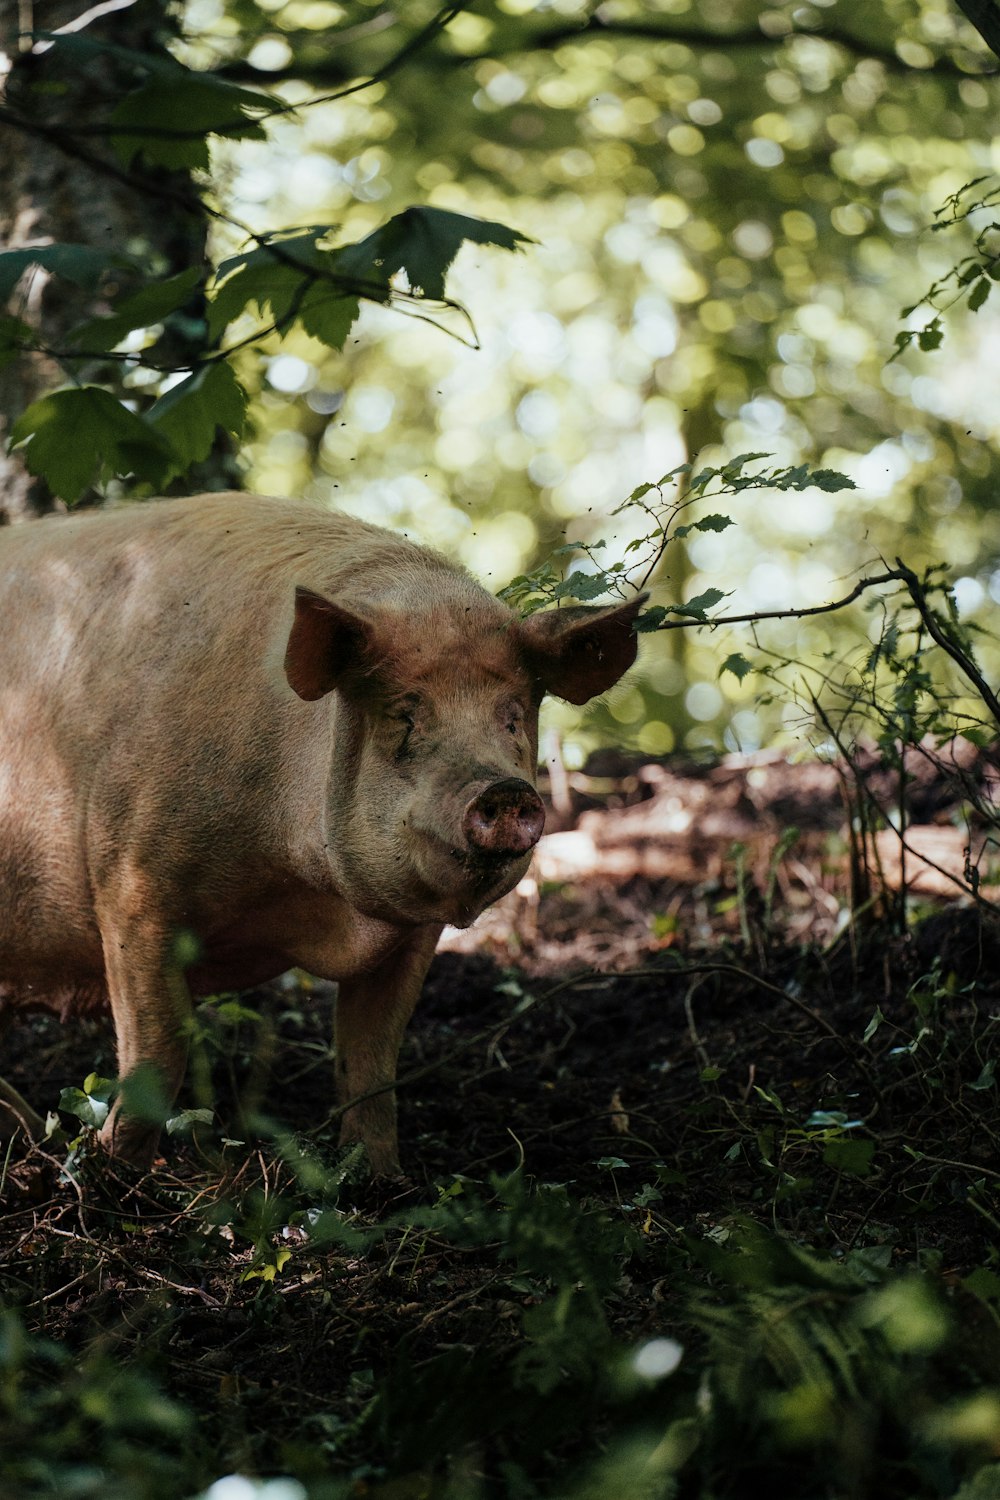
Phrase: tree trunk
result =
(58, 185)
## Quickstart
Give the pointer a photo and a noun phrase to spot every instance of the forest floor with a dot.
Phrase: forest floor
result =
(701, 1130)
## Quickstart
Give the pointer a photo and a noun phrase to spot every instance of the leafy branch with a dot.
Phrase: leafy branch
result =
(971, 279)
(546, 584)
(549, 584)
(292, 278)
(142, 120)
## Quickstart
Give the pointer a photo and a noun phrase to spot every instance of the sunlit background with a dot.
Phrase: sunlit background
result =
(726, 233)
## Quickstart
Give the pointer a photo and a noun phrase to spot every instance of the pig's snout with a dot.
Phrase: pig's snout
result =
(505, 819)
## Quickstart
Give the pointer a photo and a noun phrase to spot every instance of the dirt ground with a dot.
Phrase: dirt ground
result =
(710, 976)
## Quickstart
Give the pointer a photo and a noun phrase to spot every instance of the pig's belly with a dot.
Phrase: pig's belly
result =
(236, 969)
(50, 946)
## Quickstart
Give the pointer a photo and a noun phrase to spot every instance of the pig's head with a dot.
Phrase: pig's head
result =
(432, 808)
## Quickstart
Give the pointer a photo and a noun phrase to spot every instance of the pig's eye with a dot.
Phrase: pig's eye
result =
(514, 718)
(404, 717)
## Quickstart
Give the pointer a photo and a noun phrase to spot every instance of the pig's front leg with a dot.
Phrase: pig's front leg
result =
(371, 1016)
(151, 1008)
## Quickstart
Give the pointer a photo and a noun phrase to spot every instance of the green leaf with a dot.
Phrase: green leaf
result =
(735, 465)
(583, 586)
(738, 665)
(14, 337)
(983, 737)
(87, 1108)
(650, 620)
(829, 480)
(141, 309)
(98, 1087)
(931, 337)
(75, 1102)
(327, 315)
(986, 1079)
(74, 437)
(291, 278)
(180, 1124)
(700, 604)
(850, 1154)
(979, 293)
(188, 415)
(170, 117)
(713, 523)
(983, 1283)
(423, 242)
(81, 264)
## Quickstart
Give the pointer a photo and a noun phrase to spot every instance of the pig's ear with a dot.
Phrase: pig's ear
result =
(579, 652)
(326, 641)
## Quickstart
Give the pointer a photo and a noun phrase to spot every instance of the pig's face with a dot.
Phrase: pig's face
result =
(432, 811)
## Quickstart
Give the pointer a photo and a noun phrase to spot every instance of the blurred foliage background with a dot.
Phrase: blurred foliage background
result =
(731, 206)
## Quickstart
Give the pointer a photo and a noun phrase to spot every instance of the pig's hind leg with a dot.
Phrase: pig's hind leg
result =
(371, 1016)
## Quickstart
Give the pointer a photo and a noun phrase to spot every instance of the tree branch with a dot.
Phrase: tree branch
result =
(985, 17)
(325, 71)
(918, 594)
(936, 631)
(689, 622)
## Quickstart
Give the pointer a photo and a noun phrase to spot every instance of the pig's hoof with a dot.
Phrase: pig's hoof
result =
(129, 1141)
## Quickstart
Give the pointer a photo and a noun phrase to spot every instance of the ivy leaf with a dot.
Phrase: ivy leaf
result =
(188, 415)
(88, 1110)
(184, 101)
(423, 242)
(81, 264)
(76, 436)
(149, 305)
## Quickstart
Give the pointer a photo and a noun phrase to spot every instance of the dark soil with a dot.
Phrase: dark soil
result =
(658, 1042)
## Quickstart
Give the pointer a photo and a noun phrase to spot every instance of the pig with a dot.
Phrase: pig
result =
(240, 735)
